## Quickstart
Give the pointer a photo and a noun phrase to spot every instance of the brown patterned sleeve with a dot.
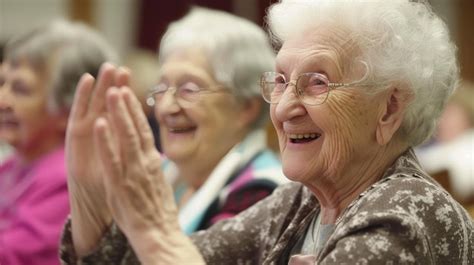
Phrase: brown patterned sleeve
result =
(113, 249)
(403, 220)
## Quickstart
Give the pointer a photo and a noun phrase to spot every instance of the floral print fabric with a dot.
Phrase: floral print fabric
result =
(404, 218)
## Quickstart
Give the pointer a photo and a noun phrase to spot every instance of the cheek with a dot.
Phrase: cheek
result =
(211, 125)
(273, 118)
(32, 114)
(347, 130)
(276, 124)
(222, 114)
(350, 116)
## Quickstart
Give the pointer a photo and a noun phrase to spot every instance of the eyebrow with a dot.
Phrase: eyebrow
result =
(321, 63)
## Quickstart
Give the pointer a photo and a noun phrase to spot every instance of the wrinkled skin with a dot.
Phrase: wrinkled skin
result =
(140, 200)
(349, 155)
(114, 174)
(89, 212)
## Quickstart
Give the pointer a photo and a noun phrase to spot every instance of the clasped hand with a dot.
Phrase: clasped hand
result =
(112, 158)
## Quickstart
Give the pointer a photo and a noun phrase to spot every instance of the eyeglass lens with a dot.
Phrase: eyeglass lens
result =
(187, 92)
(311, 88)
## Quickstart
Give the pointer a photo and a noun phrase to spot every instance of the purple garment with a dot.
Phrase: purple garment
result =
(33, 207)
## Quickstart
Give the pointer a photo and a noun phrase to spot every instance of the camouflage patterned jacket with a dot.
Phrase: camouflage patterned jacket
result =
(404, 218)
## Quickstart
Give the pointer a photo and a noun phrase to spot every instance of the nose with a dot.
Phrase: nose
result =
(168, 103)
(6, 100)
(289, 105)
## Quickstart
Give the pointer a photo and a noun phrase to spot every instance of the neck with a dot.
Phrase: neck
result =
(195, 172)
(336, 191)
(32, 152)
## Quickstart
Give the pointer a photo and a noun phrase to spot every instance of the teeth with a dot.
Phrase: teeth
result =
(304, 136)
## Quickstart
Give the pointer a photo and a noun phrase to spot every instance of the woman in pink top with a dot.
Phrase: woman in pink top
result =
(37, 82)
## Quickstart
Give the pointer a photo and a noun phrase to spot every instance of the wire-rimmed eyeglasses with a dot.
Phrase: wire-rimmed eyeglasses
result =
(311, 88)
(186, 94)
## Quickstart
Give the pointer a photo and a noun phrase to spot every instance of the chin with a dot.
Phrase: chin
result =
(293, 173)
(8, 140)
(176, 154)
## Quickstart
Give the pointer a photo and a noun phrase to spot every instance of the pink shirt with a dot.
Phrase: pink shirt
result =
(33, 207)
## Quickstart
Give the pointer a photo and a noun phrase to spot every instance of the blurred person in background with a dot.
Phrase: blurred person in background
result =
(37, 85)
(452, 147)
(211, 116)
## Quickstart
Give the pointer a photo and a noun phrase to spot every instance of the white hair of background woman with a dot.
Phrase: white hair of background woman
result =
(238, 50)
(402, 42)
(67, 50)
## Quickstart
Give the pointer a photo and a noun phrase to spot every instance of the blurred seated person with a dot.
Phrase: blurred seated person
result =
(211, 118)
(143, 65)
(452, 147)
(348, 99)
(37, 85)
(211, 115)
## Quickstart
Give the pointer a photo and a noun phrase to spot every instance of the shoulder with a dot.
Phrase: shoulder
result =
(406, 189)
(412, 198)
(411, 208)
(409, 193)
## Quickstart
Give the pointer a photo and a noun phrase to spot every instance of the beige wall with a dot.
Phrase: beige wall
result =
(114, 18)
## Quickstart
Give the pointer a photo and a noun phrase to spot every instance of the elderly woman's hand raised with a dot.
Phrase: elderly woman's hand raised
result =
(89, 212)
(140, 200)
(109, 132)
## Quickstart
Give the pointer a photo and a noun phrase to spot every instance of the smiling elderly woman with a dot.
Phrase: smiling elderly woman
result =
(357, 84)
(37, 84)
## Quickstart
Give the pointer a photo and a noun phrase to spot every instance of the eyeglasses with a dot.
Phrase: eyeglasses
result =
(186, 94)
(311, 88)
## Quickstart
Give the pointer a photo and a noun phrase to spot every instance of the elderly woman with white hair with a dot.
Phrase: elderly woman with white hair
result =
(357, 84)
(218, 168)
(211, 116)
(37, 84)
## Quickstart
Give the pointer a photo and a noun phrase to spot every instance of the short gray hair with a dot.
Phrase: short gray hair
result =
(67, 50)
(238, 50)
(402, 43)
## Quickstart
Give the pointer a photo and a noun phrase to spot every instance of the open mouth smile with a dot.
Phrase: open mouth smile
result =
(182, 130)
(8, 123)
(303, 138)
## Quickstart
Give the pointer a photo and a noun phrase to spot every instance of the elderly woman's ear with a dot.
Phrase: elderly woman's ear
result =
(392, 110)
